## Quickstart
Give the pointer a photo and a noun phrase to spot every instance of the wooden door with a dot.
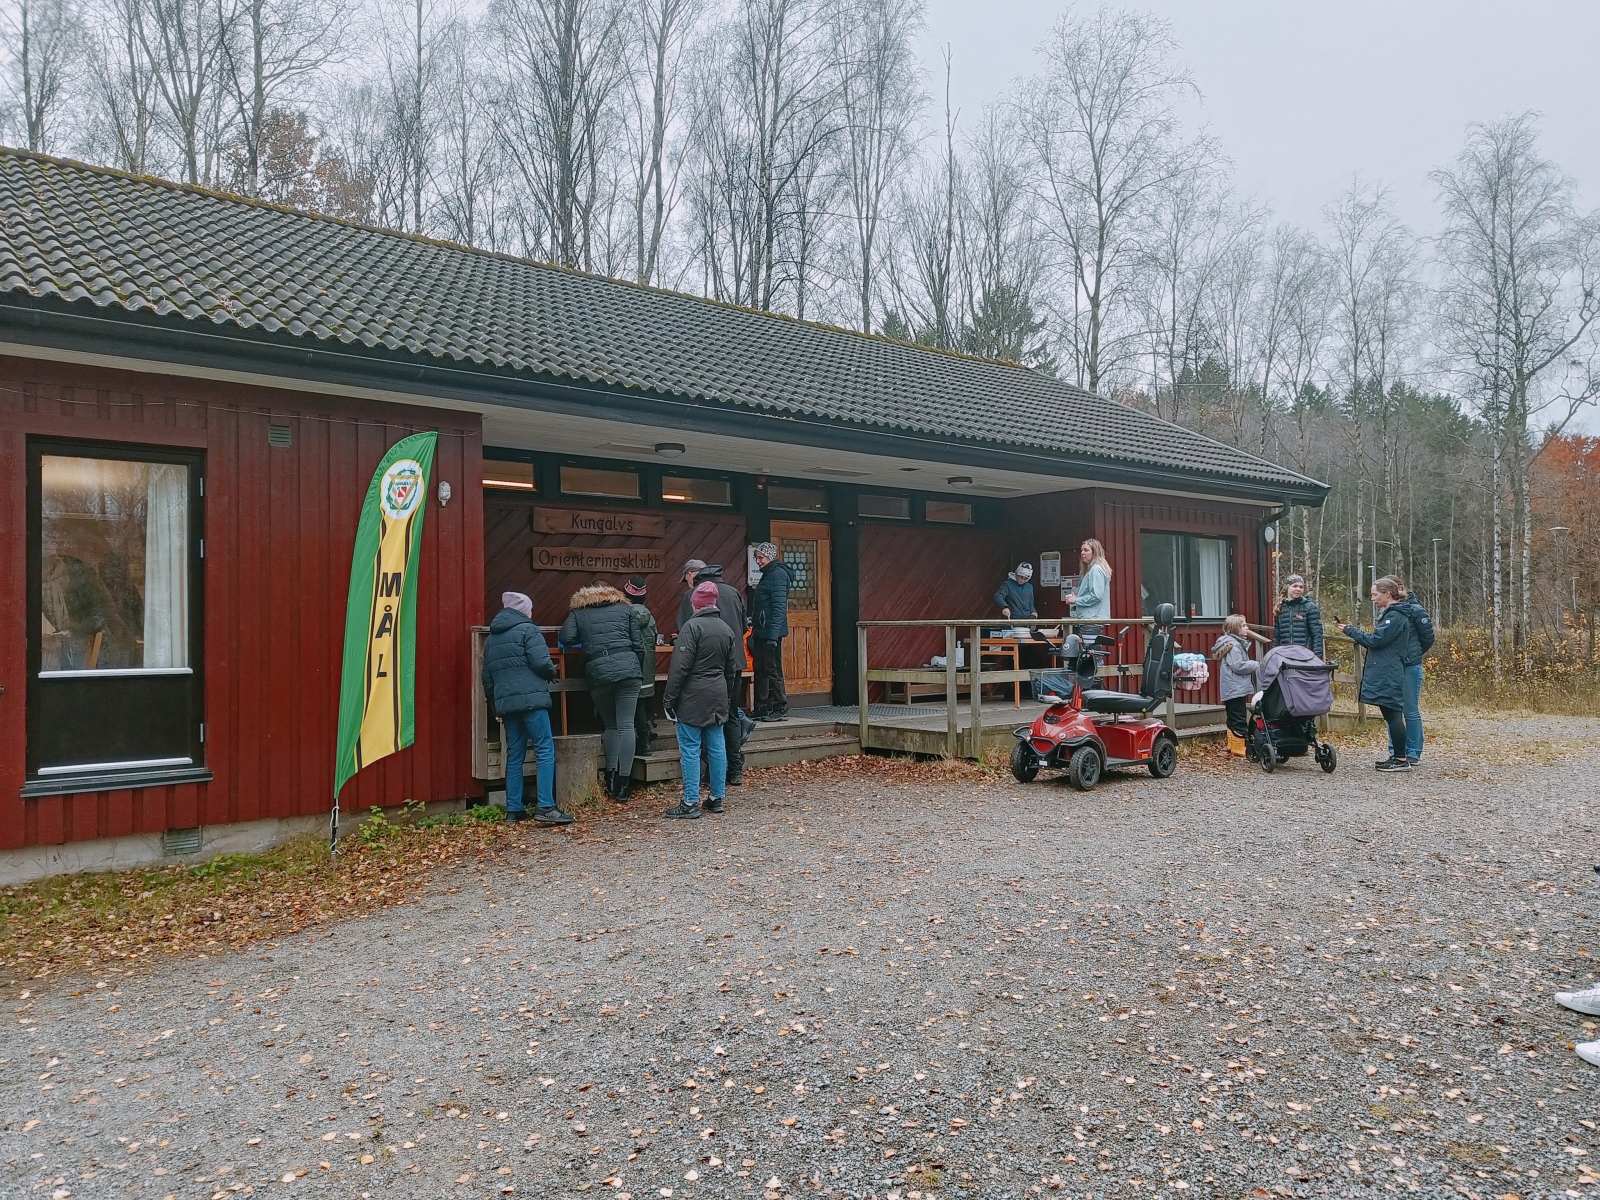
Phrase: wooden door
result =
(808, 650)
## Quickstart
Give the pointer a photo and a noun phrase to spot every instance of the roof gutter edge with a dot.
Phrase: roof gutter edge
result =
(67, 326)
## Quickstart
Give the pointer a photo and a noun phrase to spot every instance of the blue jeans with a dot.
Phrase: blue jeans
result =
(1413, 699)
(520, 728)
(690, 739)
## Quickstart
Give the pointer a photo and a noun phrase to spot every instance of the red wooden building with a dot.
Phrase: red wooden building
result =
(194, 390)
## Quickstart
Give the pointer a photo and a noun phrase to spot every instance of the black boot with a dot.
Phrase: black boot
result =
(611, 783)
(624, 788)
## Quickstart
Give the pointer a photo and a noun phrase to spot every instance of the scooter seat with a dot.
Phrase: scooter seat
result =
(1118, 703)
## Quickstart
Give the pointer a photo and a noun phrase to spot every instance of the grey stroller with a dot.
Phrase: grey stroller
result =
(1296, 689)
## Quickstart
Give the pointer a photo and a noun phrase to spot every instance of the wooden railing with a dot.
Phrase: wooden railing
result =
(973, 676)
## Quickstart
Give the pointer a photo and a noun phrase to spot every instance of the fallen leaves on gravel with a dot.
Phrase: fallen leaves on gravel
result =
(126, 918)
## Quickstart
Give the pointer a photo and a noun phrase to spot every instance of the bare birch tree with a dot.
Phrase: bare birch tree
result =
(1520, 305)
(878, 93)
(45, 39)
(121, 90)
(185, 43)
(562, 64)
(1103, 130)
(275, 48)
(659, 33)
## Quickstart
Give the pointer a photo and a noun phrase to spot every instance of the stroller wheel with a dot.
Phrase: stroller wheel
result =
(1328, 758)
(1265, 752)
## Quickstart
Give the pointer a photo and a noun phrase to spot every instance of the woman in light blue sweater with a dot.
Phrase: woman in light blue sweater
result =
(1092, 599)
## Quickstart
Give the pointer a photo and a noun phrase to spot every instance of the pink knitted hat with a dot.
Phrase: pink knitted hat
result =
(705, 596)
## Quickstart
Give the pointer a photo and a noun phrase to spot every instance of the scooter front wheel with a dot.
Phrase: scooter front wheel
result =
(1083, 771)
(1024, 763)
(1164, 757)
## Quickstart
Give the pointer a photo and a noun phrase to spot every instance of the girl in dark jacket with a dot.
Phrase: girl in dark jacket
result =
(1298, 621)
(1383, 680)
(603, 624)
(701, 685)
(517, 669)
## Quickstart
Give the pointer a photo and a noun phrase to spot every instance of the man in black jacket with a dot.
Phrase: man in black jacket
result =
(769, 625)
(700, 696)
(1299, 620)
(517, 669)
(730, 607)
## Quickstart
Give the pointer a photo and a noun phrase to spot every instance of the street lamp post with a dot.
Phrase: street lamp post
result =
(1439, 605)
(1561, 571)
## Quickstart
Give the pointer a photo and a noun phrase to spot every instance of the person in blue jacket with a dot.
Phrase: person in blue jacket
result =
(1383, 680)
(517, 670)
(1420, 642)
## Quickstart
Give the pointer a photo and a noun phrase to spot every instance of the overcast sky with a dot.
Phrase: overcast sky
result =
(1304, 95)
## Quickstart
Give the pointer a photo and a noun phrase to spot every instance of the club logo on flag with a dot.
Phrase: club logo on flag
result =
(378, 681)
(401, 491)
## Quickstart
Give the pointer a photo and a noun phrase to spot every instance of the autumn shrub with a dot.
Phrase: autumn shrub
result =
(1556, 675)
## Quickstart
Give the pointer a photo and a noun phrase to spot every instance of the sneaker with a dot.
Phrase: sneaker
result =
(687, 812)
(1395, 764)
(1384, 762)
(1586, 1002)
(774, 718)
(513, 815)
(552, 816)
(714, 805)
(736, 778)
(1589, 1052)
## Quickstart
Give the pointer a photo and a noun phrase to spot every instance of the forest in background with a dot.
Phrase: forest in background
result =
(794, 156)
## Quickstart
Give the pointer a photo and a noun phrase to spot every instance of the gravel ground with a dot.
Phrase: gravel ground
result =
(881, 980)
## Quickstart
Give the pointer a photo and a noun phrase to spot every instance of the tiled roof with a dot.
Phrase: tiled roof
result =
(86, 234)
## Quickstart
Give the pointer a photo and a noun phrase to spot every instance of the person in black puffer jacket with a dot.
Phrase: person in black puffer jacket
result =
(700, 696)
(517, 669)
(769, 625)
(603, 624)
(1298, 621)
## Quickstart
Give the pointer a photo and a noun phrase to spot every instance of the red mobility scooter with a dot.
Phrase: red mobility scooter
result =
(1088, 729)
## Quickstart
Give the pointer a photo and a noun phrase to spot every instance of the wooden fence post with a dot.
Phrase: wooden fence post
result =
(861, 681)
(975, 691)
(952, 732)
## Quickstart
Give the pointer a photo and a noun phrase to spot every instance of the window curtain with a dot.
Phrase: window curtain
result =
(166, 567)
(1213, 562)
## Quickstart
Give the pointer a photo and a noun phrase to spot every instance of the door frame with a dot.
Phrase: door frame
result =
(822, 533)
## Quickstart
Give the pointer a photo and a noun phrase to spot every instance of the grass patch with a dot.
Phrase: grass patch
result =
(118, 920)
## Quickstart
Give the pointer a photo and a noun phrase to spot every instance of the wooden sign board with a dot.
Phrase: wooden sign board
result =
(598, 561)
(607, 524)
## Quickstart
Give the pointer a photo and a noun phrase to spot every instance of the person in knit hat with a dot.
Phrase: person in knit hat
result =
(1298, 621)
(702, 688)
(644, 721)
(517, 670)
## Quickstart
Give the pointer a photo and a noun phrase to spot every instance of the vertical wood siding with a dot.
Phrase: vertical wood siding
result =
(923, 572)
(279, 528)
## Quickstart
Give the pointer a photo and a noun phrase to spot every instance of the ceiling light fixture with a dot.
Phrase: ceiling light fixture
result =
(670, 449)
(960, 481)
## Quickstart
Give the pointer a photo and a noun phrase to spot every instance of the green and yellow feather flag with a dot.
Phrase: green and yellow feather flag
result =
(377, 685)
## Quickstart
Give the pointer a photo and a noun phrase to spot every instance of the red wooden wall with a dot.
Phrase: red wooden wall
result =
(924, 571)
(510, 540)
(280, 526)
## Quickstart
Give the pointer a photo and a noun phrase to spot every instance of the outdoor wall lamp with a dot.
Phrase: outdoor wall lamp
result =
(444, 492)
